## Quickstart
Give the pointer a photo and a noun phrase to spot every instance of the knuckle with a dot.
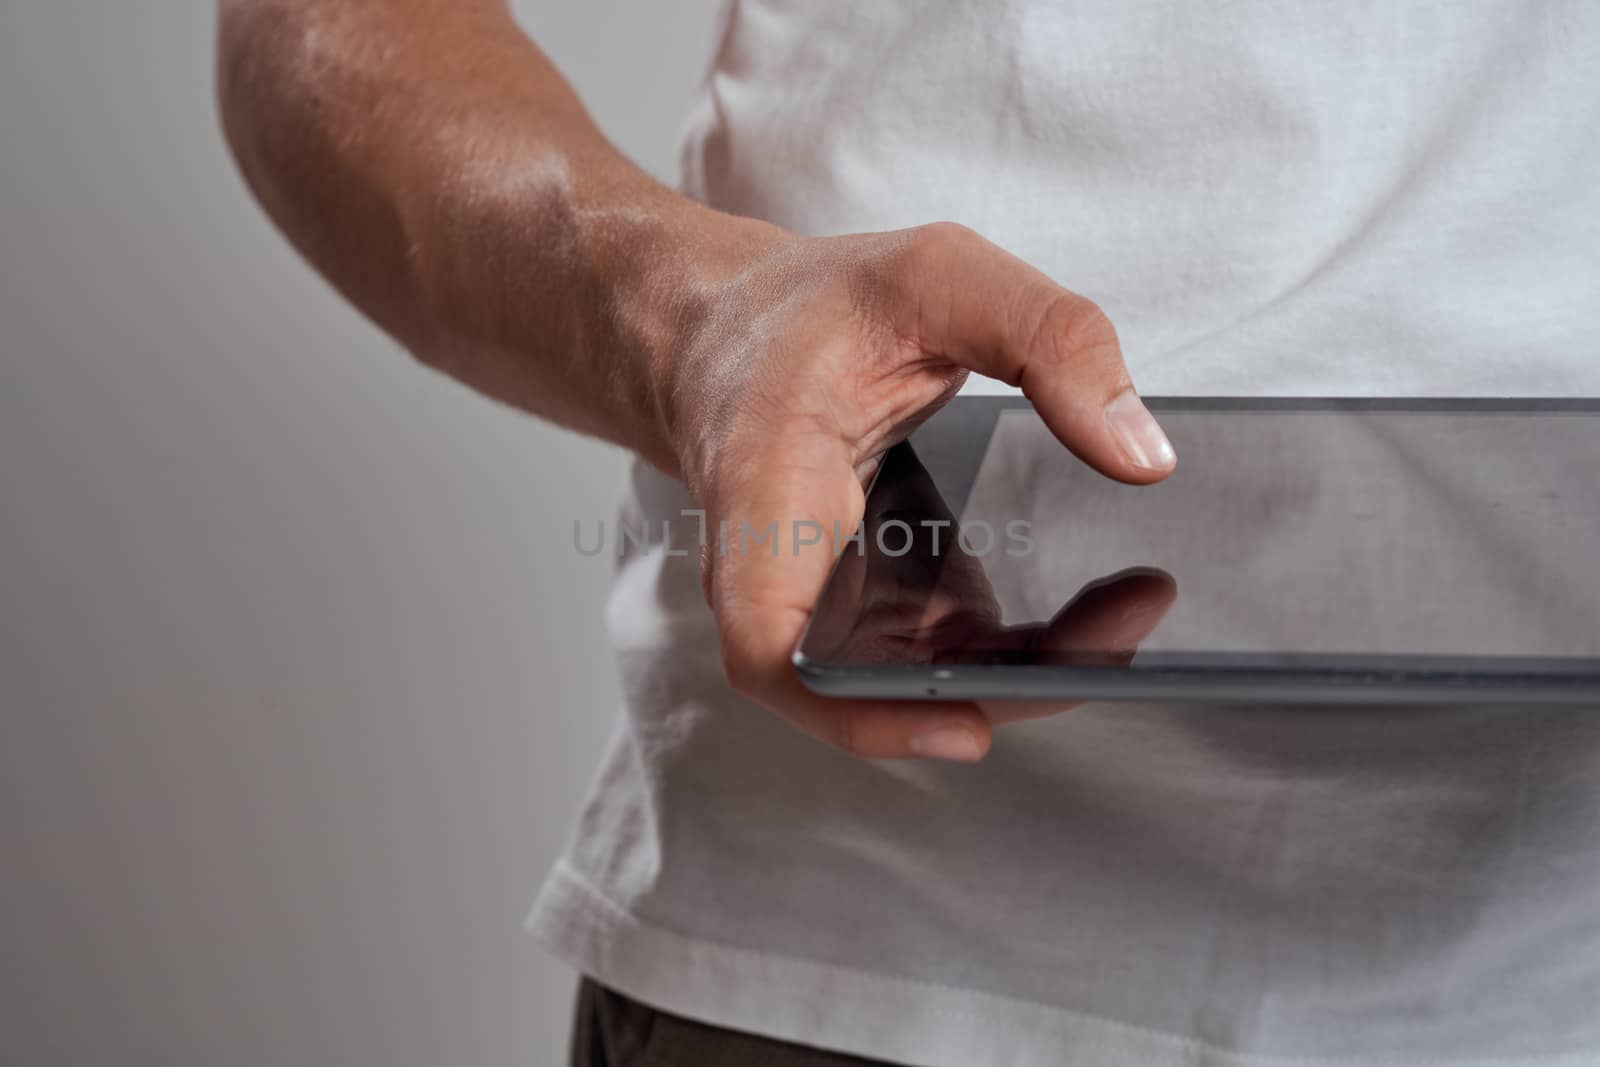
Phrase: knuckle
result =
(1068, 329)
(1087, 328)
(947, 233)
(930, 246)
(942, 241)
(916, 261)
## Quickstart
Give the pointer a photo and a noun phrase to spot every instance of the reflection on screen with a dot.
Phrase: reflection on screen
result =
(1450, 533)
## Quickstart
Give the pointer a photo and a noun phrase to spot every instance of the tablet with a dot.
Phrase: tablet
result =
(1305, 550)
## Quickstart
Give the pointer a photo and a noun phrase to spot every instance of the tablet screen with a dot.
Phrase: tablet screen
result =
(1292, 533)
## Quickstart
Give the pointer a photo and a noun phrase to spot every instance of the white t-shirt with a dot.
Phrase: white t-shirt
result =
(1269, 197)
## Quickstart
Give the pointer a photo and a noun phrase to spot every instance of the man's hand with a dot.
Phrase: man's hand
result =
(922, 598)
(433, 164)
(812, 361)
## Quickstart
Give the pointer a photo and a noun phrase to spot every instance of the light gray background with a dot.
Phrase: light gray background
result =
(301, 679)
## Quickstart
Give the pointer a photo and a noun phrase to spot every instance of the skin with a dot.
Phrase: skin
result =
(433, 165)
(932, 602)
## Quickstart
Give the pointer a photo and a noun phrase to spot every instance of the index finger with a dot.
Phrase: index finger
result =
(779, 521)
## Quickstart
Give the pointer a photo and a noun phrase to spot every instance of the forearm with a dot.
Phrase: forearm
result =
(435, 167)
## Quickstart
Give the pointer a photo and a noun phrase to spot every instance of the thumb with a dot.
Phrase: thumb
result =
(967, 300)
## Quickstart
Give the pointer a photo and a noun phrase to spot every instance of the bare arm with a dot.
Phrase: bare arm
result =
(430, 161)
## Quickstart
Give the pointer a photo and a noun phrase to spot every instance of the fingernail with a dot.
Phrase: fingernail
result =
(948, 742)
(1141, 436)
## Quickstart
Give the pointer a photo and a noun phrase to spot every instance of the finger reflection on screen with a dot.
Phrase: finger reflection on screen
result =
(914, 593)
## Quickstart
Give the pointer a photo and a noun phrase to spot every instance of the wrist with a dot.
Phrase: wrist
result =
(584, 285)
(683, 265)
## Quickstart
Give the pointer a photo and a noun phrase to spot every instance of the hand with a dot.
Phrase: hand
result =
(436, 167)
(930, 602)
(807, 365)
